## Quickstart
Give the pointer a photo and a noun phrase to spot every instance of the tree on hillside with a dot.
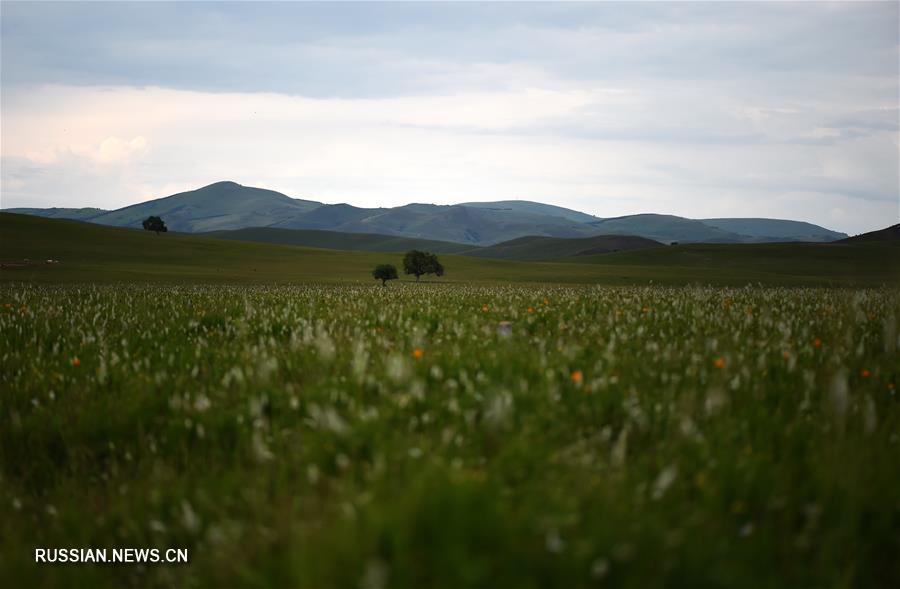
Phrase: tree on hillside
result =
(385, 272)
(156, 224)
(419, 263)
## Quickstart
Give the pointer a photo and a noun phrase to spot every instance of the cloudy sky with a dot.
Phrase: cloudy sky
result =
(785, 110)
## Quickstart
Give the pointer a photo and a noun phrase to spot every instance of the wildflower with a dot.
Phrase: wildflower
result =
(817, 343)
(546, 302)
(484, 308)
(839, 396)
(375, 576)
(76, 361)
(499, 409)
(531, 309)
(553, 542)
(719, 363)
(785, 354)
(189, 517)
(260, 449)
(576, 377)
(599, 568)
(865, 373)
(418, 353)
(664, 481)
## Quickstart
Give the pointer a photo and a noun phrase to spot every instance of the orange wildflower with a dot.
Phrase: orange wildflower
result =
(531, 309)
(418, 353)
(577, 376)
(817, 343)
(484, 307)
(719, 362)
(76, 361)
(864, 373)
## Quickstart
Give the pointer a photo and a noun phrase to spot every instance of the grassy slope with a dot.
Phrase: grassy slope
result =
(219, 206)
(82, 214)
(337, 240)
(889, 234)
(533, 207)
(863, 262)
(536, 247)
(93, 253)
(464, 224)
(666, 228)
(775, 229)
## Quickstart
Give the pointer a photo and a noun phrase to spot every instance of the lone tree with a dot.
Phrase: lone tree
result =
(155, 224)
(385, 272)
(419, 263)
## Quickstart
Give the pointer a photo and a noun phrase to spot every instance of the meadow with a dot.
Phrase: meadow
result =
(439, 435)
(88, 253)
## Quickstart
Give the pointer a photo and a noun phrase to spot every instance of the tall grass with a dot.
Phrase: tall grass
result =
(452, 436)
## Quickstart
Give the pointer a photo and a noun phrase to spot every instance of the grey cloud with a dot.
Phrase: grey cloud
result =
(371, 49)
(806, 81)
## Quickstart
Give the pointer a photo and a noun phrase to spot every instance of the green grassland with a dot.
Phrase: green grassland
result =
(316, 238)
(541, 248)
(857, 262)
(93, 253)
(353, 436)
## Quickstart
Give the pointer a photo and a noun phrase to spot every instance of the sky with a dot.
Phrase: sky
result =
(722, 109)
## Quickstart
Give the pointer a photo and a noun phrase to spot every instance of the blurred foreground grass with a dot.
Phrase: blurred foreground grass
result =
(339, 436)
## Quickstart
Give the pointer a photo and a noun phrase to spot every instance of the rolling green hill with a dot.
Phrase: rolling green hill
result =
(88, 253)
(542, 248)
(223, 205)
(527, 206)
(458, 223)
(775, 229)
(327, 217)
(889, 235)
(227, 205)
(336, 240)
(665, 228)
(82, 214)
(863, 263)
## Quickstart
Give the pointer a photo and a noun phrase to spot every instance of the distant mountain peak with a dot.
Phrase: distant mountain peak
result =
(222, 184)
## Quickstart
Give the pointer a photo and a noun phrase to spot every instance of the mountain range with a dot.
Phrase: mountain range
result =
(226, 206)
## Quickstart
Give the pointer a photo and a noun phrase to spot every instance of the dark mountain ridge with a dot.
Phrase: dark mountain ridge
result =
(228, 205)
